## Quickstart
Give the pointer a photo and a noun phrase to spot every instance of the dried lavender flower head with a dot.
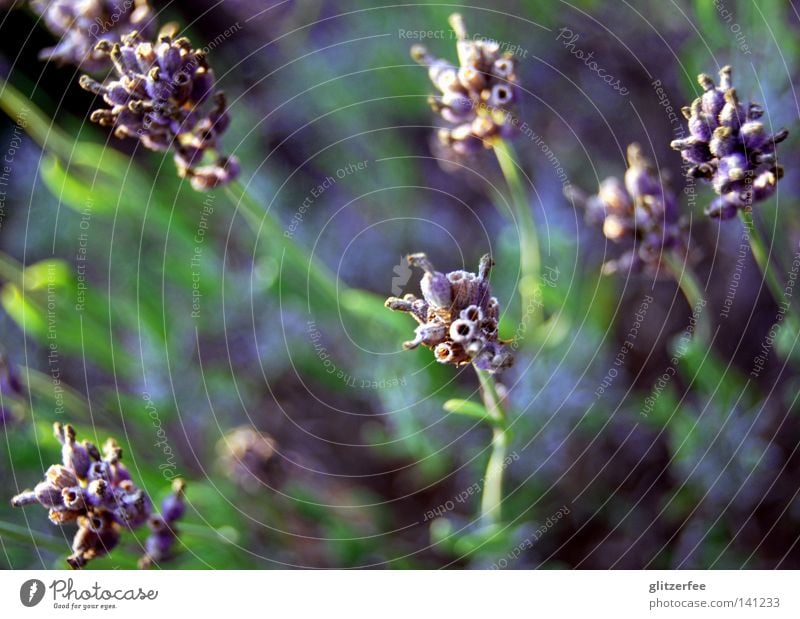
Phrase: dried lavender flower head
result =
(247, 457)
(730, 147)
(80, 24)
(159, 96)
(457, 316)
(94, 490)
(475, 97)
(641, 210)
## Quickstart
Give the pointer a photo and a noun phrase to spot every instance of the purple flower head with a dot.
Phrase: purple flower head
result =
(163, 532)
(162, 95)
(641, 210)
(457, 316)
(89, 489)
(476, 97)
(730, 147)
(80, 24)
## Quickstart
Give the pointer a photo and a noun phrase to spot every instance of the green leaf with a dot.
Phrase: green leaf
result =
(46, 273)
(20, 308)
(467, 408)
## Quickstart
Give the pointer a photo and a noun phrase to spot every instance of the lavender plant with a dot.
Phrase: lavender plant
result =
(643, 212)
(79, 24)
(158, 96)
(458, 319)
(95, 490)
(731, 148)
(477, 99)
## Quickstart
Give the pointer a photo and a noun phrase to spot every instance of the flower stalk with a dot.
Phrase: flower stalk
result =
(762, 258)
(690, 287)
(492, 497)
(530, 260)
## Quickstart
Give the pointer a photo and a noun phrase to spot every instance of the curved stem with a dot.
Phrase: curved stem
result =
(690, 287)
(761, 255)
(492, 498)
(530, 260)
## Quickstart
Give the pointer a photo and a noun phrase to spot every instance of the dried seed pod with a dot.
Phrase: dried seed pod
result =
(457, 316)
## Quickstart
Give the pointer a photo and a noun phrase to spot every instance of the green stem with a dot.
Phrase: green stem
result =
(530, 260)
(761, 255)
(492, 498)
(690, 287)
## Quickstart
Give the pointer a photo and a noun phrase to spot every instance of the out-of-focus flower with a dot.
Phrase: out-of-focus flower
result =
(94, 490)
(477, 96)
(642, 210)
(158, 96)
(246, 456)
(163, 532)
(80, 24)
(10, 389)
(729, 146)
(457, 316)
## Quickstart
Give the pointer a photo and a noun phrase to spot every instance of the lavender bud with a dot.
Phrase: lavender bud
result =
(428, 334)
(76, 23)
(73, 498)
(753, 136)
(98, 493)
(48, 495)
(24, 498)
(435, 286)
(60, 515)
(74, 455)
(174, 505)
(61, 477)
